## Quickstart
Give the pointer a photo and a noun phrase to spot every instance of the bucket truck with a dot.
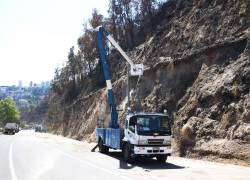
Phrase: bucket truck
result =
(144, 134)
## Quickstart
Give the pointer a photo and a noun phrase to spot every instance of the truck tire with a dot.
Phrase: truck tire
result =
(127, 153)
(102, 148)
(161, 158)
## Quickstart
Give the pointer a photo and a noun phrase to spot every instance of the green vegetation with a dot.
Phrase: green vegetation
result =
(8, 112)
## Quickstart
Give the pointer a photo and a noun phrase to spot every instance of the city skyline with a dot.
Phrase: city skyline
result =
(21, 83)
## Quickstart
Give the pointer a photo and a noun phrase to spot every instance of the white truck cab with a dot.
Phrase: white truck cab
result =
(147, 134)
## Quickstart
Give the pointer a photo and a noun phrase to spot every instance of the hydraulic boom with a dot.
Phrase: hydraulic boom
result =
(135, 70)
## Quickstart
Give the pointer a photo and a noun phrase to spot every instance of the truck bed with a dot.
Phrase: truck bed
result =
(111, 137)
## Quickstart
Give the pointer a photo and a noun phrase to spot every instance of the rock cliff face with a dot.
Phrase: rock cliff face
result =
(197, 67)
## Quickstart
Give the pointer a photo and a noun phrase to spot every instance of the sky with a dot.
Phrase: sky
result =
(35, 36)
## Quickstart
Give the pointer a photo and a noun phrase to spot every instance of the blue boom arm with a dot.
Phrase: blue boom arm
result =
(105, 66)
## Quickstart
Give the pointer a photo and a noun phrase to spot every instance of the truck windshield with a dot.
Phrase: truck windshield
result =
(151, 125)
(10, 125)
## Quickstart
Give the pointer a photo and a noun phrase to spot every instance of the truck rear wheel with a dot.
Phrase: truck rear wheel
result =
(127, 153)
(102, 147)
(161, 158)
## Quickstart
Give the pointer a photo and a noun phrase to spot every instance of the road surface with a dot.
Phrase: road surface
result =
(38, 156)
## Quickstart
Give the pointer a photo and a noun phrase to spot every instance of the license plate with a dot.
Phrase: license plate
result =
(156, 148)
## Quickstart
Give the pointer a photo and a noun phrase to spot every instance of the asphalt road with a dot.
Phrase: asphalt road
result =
(38, 156)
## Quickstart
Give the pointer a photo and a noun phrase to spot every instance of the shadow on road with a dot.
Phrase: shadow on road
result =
(145, 163)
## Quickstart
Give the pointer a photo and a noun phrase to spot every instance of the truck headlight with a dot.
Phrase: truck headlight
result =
(166, 142)
(142, 142)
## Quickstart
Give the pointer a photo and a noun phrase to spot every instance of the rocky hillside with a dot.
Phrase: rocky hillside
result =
(197, 67)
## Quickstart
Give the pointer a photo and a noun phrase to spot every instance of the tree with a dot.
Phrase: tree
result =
(55, 84)
(8, 112)
(147, 9)
(121, 21)
(72, 65)
(96, 19)
(112, 25)
(87, 43)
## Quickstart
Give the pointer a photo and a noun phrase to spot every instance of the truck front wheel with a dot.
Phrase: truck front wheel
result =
(161, 158)
(102, 147)
(127, 153)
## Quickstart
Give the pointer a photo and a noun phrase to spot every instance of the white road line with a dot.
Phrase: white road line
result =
(11, 165)
(92, 165)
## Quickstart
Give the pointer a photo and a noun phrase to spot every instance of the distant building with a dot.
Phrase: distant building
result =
(31, 84)
(20, 84)
(3, 89)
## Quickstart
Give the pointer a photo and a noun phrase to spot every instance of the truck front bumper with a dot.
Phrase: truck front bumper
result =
(147, 150)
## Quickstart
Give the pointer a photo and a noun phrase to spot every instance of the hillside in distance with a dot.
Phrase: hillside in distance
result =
(27, 99)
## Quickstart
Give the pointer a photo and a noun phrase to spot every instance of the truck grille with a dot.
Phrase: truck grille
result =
(155, 141)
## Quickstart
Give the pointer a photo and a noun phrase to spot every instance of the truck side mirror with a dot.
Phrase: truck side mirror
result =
(132, 128)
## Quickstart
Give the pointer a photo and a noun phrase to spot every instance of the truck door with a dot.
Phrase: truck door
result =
(130, 129)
